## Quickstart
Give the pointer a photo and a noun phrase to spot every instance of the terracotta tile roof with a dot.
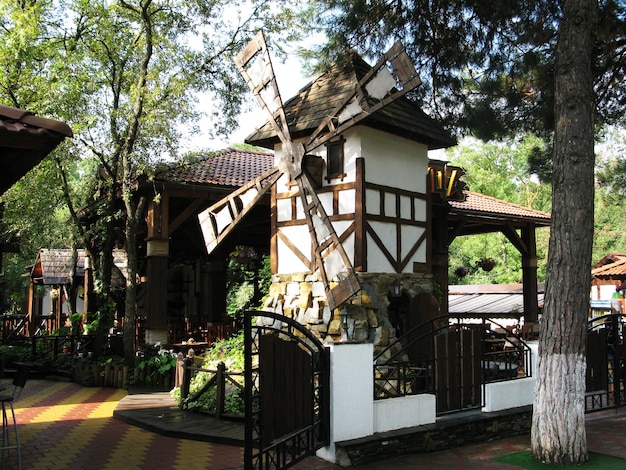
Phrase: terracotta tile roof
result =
(25, 140)
(487, 206)
(613, 270)
(229, 167)
(319, 98)
(609, 259)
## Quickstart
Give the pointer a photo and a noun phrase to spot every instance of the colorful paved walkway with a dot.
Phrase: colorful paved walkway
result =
(66, 426)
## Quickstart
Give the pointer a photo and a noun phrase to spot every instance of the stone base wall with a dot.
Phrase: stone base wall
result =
(301, 296)
(445, 434)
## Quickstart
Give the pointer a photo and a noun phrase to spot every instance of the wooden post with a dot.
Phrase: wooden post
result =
(439, 254)
(529, 275)
(184, 388)
(221, 389)
(157, 263)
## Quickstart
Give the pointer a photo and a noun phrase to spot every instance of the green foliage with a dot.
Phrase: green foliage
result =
(610, 209)
(230, 352)
(157, 360)
(487, 67)
(11, 354)
(498, 169)
(126, 77)
(248, 278)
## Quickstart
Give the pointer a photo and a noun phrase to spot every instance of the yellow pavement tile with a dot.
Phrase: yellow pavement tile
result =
(193, 454)
(82, 434)
(131, 450)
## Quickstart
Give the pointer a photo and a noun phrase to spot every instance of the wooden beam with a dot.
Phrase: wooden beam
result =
(518, 242)
(184, 215)
(158, 217)
(360, 245)
(456, 231)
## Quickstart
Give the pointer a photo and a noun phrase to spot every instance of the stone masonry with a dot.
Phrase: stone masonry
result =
(301, 296)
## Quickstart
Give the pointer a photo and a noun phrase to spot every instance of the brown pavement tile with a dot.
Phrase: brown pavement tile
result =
(66, 426)
(606, 433)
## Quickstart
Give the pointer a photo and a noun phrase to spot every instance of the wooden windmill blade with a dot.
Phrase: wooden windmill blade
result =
(221, 218)
(390, 78)
(255, 65)
(330, 258)
(340, 281)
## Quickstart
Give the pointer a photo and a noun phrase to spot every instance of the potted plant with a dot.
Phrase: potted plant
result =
(487, 264)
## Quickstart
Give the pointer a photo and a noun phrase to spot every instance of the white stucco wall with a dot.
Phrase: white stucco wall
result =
(513, 393)
(390, 161)
(404, 412)
(403, 164)
(393, 161)
(352, 385)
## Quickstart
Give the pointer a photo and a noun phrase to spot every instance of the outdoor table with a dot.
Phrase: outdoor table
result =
(184, 347)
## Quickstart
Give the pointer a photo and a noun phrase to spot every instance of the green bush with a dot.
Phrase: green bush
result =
(230, 352)
(158, 360)
(12, 354)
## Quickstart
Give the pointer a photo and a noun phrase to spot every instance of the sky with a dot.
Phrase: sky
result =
(290, 80)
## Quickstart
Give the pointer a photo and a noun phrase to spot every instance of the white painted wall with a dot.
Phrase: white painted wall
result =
(389, 161)
(404, 412)
(513, 393)
(46, 304)
(355, 414)
(399, 163)
(509, 394)
(393, 161)
(353, 411)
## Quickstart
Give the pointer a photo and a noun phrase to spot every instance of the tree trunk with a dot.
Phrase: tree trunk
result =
(558, 427)
(134, 210)
(130, 300)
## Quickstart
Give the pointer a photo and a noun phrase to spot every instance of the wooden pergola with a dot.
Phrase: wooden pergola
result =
(471, 213)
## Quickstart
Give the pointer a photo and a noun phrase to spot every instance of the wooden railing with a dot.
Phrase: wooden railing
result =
(219, 379)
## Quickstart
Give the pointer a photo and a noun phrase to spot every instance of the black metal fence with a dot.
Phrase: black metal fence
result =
(606, 368)
(452, 357)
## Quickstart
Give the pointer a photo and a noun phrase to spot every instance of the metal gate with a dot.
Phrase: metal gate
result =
(605, 363)
(457, 370)
(286, 392)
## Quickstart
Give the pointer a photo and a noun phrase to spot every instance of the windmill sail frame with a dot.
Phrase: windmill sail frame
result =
(392, 77)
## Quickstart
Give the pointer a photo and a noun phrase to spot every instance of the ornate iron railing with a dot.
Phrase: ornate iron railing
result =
(409, 366)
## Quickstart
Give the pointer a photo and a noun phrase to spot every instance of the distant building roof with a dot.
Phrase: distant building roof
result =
(228, 167)
(317, 100)
(25, 140)
(490, 300)
(611, 267)
(53, 266)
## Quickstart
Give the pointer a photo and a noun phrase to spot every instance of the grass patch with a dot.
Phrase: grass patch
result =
(596, 461)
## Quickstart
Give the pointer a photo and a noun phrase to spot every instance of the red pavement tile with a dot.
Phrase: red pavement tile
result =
(50, 414)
